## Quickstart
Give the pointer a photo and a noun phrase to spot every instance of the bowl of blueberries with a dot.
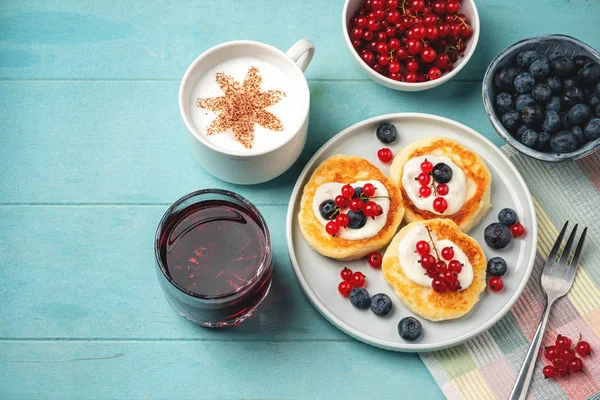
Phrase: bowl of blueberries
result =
(542, 96)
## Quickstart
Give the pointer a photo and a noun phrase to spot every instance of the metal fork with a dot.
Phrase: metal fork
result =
(557, 279)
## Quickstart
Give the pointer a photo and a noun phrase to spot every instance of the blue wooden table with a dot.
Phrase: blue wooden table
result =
(93, 151)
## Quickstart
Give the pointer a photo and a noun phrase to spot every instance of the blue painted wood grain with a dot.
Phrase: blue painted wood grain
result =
(92, 152)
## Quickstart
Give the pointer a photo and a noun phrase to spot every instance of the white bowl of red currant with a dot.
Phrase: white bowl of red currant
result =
(411, 45)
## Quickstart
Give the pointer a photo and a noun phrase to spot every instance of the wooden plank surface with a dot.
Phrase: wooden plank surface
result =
(93, 151)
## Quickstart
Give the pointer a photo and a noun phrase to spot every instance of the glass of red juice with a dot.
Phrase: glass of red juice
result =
(213, 257)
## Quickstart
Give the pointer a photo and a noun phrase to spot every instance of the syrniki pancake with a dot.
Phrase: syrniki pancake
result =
(364, 234)
(458, 188)
(403, 271)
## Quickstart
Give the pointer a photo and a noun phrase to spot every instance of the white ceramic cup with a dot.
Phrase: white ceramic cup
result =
(233, 165)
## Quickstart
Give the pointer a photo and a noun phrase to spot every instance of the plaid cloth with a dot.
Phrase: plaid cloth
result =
(486, 367)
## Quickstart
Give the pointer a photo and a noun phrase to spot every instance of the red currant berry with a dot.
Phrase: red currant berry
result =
(466, 31)
(428, 261)
(440, 204)
(434, 73)
(443, 29)
(562, 372)
(394, 67)
(442, 189)
(377, 4)
(345, 288)
(361, 22)
(407, 21)
(381, 36)
(550, 352)
(575, 365)
(566, 354)
(358, 279)
(412, 65)
(583, 348)
(424, 178)
(423, 247)
(432, 273)
(340, 201)
(368, 35)
(374, 259)
(549, 372)
(346, 274)
(397, 77)
(385, 155)
(442, 61)
(356, 204)
(558, 362)
(393, 16)
(563, 342)
(401, 54)
(390, 31)
(382, 48)
(428, 54)
(332, 228)
(517, 230)
(439, 285)
(356, 44)
(342, 220)
(374, 24)
(451, 276)
(441, 267)
(426, 166)
(414, 46)
(454, 286)
(455, 265)
(410, 77)
(370, 209)
(430, 19)
(425, 191)
(392, 4)
(379, 210)
(420, 77)
(439, 6)
(454, 30)
(447, 253)
(368, 189)
(496, 284)
(452, 6)
(432, 33)
(417, 5)
(383, 60)
(347, 191)
(394, 44)
(419, 31)
(367, 57)
(356, 33)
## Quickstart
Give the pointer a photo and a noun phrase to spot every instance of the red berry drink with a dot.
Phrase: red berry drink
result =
(214, 258)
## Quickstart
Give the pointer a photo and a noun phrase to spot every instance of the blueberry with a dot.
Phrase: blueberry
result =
(570, 82)
(555, 55)
(598, 110)
(589, 73)
(442, 173)
(562, 66)
(530, 138)
(554, 104)
(544, 141)
(525, 58)
(357, 219)
(496, 266)
(511, 120)
(565, 122)
(592, 129)
(541, 92)
(572, 96)
(598, 89)
(359, 297)
(555, 84)
(564, 142)
(520, 131)
(497, 236)
(593, 100)
(505, 77)
(522, 101)
(579, 114)
(504, 102)
(540, 68)
(578, 132)
(387, 133)
(551, 121)
(524, 83)
(381, 304)
(327, 208)
(409, 328)
(357, 192)
(508, 217)
(580, 61)
(532, 115)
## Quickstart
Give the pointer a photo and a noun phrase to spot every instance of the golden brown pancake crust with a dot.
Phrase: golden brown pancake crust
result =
(424, 301)
(473, 166)
(347, 169)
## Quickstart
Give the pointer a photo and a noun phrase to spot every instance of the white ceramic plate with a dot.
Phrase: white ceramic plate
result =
(319, 276)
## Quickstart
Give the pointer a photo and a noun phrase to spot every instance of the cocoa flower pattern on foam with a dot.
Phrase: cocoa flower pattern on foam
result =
(242, 106)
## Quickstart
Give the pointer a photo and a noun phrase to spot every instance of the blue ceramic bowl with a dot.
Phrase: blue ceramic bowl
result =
(545, 44)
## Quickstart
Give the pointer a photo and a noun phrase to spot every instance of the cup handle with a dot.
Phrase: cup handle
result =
(301, 52)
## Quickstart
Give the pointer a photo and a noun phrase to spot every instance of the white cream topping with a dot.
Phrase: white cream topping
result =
(328, 191)
(457, 186)
(409, 258)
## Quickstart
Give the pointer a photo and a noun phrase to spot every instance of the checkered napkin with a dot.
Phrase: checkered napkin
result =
(486, 367)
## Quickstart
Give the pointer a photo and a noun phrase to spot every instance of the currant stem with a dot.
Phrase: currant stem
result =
(432, 243)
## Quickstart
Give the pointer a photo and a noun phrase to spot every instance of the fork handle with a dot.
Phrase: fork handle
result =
(521, 387)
